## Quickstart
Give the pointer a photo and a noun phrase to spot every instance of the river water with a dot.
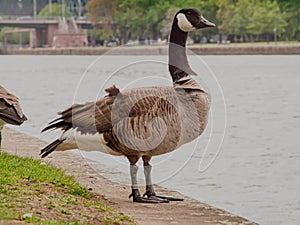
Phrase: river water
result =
(247, 161)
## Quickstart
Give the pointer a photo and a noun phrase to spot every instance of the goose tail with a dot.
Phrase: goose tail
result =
(50, 148)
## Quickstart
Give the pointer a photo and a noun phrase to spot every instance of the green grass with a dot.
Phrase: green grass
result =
(41, 194)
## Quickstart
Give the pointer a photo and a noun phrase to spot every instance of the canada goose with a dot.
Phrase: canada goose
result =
(142, 122)
(10, 110)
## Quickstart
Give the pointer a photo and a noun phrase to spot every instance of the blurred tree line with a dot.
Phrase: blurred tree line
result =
(237, 20)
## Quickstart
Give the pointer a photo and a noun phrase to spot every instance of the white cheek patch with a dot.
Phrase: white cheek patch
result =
(184, 24)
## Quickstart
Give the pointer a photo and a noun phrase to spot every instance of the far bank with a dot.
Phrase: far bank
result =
(207, 49)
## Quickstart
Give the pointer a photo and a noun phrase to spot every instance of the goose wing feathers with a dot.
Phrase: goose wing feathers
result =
(84, 116)
(10, 109)
(102, 115)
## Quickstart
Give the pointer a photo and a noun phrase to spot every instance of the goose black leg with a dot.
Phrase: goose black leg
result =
(135, 194)
(138, 198)
(150, 193)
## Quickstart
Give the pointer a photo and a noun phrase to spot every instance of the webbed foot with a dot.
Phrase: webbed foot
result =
(149, 199)
(170, 198)
(150, 194)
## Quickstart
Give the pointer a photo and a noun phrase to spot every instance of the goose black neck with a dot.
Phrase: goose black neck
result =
(178, 63)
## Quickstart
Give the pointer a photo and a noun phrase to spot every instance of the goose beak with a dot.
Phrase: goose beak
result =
(204, 23)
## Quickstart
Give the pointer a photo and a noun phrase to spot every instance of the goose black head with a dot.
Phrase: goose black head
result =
(191, 19)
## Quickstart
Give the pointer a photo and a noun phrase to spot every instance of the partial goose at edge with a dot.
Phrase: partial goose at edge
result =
(10, 110)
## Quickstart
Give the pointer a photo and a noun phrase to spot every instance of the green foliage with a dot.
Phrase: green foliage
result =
(243, 12)
(144, 17)
(251, 17)
(244, 18)
(104, 12)
(57, 10)
(14, 37)
(225, 14)
(136, 18)
(266, 17)
(291, 9)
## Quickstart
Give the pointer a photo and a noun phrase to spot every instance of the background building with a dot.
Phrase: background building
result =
(26, 7)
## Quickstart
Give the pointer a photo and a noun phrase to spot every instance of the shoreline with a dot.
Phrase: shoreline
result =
(97, 178)
(213, 49)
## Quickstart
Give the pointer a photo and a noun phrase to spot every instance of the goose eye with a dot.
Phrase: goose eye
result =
(189, 13)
